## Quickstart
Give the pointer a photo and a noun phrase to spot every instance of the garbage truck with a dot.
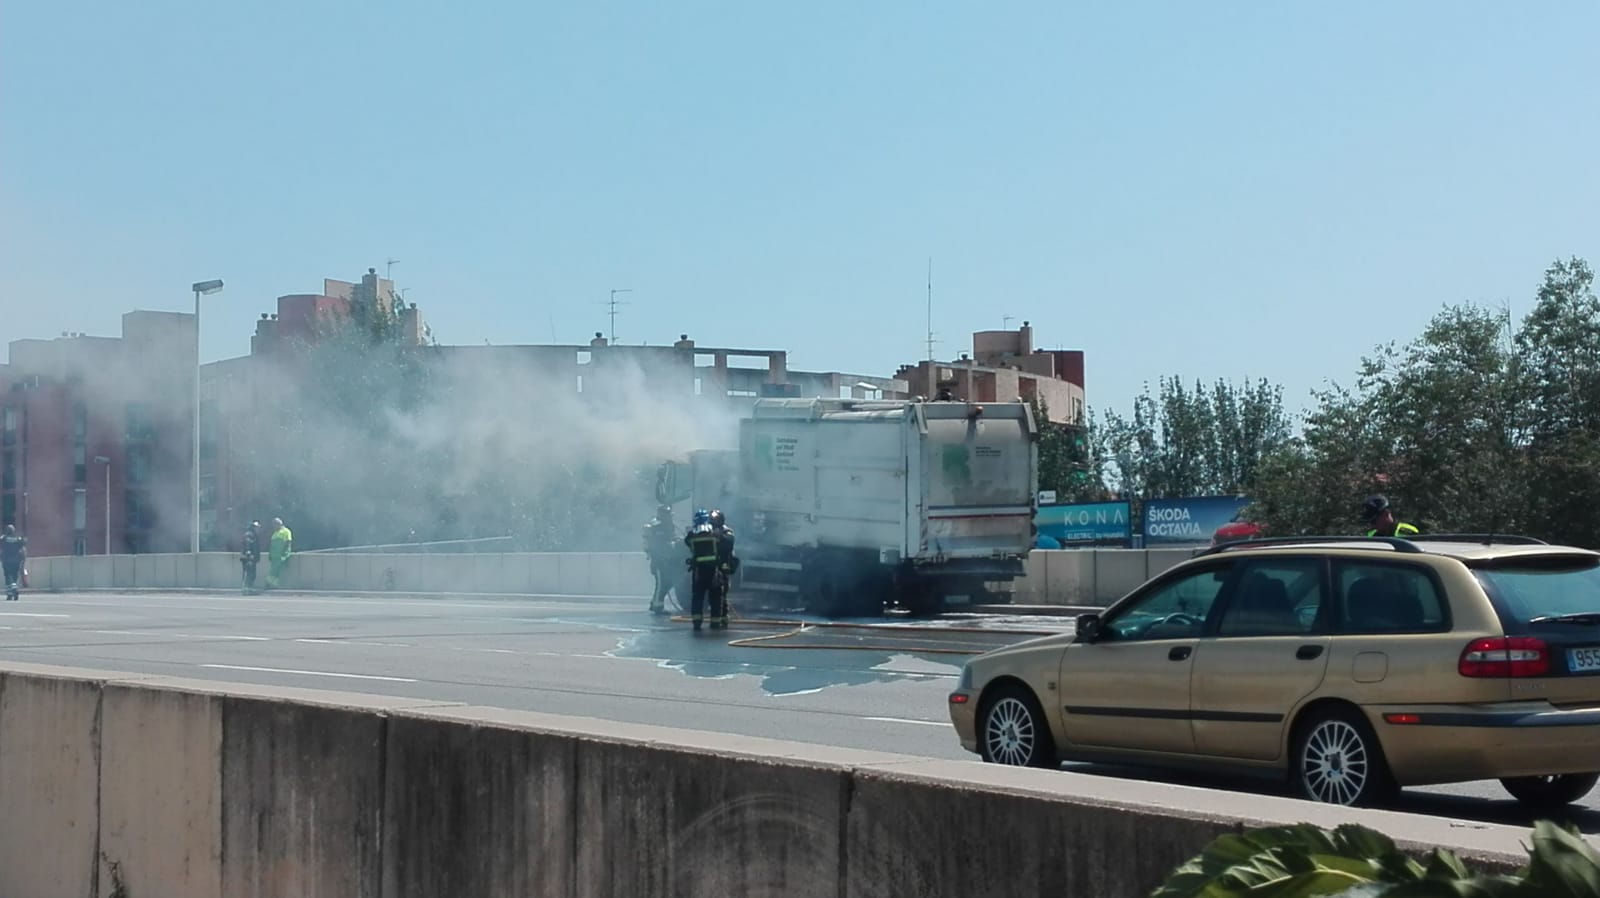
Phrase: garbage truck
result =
(846, 508)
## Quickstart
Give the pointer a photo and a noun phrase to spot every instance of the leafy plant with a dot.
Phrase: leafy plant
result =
(1352, 861)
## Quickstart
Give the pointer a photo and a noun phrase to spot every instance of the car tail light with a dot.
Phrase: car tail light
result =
(1505, 656)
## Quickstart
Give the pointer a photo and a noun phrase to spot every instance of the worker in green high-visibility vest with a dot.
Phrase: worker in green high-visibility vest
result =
(282, 546)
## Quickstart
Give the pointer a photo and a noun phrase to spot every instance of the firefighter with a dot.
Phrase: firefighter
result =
(659, 536)
(727, 566)
(250, 555)
(704, 562)
(1381, 521)
(13, 556)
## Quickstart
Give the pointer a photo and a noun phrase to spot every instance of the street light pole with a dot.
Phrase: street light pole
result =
(103, 460)
(200, 288)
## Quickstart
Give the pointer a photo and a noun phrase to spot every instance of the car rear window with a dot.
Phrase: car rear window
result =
(1549, 587)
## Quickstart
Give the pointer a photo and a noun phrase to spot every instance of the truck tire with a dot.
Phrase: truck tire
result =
(921, 598)
(821, 590)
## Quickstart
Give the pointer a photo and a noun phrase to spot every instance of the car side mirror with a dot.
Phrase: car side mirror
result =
(1089, 627)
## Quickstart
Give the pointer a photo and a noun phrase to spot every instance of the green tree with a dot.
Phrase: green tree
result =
(1194, 441)
(1069, 461)
(1435, 426)
(1560, 347)
(329, 450)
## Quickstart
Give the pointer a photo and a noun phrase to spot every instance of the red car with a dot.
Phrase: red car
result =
(1236, 529)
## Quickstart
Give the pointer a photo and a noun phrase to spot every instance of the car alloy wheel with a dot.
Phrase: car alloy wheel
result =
(1337, 765)
(1010, 732)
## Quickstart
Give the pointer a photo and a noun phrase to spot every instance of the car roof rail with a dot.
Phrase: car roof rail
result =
(1487, 539)
(1396, 543)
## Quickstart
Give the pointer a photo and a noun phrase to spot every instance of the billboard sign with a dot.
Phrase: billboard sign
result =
(1092, 523)
(1188, 522)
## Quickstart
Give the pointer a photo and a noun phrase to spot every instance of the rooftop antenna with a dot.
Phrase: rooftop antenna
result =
(388, 269)
(613, 304)
(930, 309)
(1005, 322)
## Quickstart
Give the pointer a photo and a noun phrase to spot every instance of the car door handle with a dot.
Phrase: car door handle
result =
(1308, 652)
(1179, 652)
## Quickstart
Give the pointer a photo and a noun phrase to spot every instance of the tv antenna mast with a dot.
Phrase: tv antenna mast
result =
(612, 304)
(931, 340)
(388, 269)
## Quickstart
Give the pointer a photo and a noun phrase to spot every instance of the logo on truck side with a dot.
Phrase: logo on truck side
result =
(957, 465)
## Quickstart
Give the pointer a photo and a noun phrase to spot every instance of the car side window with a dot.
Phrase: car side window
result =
(1274, 597)
(1175, 609)
(1388, 598)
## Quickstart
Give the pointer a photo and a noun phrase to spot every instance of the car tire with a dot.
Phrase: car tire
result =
(1550, 792)
(1012, 730)
(1337, 760)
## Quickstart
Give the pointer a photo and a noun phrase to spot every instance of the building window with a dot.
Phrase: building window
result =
(140, 425)
(80, 422)
(8, 470)
(8, 509)
(80, 545)
(208, 490)
(80, 509)
(137, 502)
(138, 464)
(80, 467)
(9, 433)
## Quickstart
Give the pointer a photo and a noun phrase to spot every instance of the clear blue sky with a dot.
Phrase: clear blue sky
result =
(1221, 189)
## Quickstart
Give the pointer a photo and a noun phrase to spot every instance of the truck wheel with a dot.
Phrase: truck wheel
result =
(823, 593)
(922, 599)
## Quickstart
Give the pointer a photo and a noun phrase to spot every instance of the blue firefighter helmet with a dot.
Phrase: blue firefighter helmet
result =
(701, 516)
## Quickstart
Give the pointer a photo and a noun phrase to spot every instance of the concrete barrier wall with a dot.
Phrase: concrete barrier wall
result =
(118, 785)
(1090, 577)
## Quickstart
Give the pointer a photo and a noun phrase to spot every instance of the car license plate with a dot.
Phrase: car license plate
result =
(1583, 660)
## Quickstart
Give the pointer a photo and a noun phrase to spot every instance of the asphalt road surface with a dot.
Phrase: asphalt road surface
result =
(881, 687)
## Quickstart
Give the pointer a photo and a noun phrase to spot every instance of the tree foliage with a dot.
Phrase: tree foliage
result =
(1474, 426)
(1306, 861)
(1191, 441)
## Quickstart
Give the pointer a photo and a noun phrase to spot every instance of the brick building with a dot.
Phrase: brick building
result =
(91, 426)
(1004, 366)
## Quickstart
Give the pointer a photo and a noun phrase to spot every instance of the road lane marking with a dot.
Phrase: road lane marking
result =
(29, 614)
(309, 673)
(245, 638)
(926, 723)
(326, 641)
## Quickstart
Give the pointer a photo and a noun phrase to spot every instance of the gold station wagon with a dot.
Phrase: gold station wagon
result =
(1351, 665)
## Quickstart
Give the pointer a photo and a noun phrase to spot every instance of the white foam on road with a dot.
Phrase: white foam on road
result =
(926, 723)
(309, 673)
(29, 614)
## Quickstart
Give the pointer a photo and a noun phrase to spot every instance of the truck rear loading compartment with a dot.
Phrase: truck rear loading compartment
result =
(856, 505)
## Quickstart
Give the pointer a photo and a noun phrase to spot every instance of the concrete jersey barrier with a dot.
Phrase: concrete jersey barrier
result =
(126, 786)
(1087, 577)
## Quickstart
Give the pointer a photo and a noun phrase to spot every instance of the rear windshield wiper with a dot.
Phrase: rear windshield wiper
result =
(1581, 617)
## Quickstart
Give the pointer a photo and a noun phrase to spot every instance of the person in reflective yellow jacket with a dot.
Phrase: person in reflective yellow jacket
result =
(280, 548)
(1381, 520)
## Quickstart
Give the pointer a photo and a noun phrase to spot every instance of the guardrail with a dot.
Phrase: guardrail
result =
(1077, 577)
(120, 784)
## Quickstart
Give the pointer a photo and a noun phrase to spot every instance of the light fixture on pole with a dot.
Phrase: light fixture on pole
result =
(103, 460)
(201, 288)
